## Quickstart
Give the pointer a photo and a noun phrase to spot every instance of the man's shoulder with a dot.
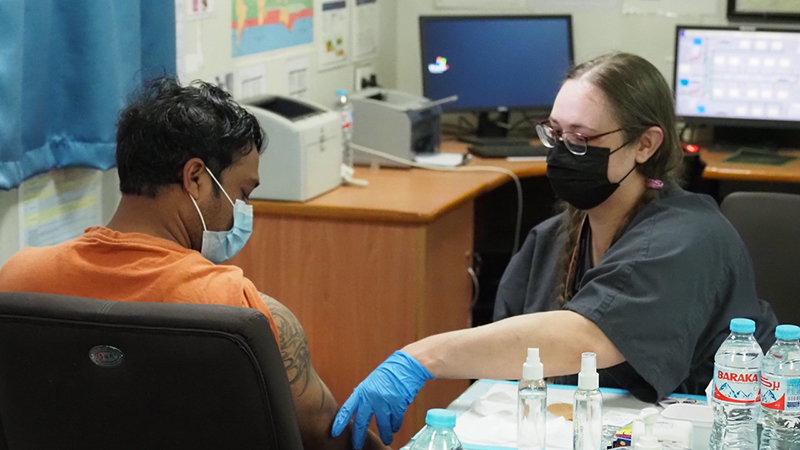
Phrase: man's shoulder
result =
(29, 263)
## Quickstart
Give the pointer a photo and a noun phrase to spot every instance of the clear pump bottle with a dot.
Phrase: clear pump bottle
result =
(648, 416)
(532, 404)
(587, 407)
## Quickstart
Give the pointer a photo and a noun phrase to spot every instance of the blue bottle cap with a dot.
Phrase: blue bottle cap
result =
(743, 326)
(787, 332)
(440, 418)
(341, 92)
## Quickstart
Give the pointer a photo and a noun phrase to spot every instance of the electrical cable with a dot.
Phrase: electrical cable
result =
(476, 288)
(503, 170)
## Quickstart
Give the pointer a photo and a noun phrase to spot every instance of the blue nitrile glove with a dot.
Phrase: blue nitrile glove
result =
(386, 393)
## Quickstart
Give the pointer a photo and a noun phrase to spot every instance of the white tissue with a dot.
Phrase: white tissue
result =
(492, 421)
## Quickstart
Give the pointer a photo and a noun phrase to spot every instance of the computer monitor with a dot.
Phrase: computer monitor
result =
(495, 63)
(741, 80)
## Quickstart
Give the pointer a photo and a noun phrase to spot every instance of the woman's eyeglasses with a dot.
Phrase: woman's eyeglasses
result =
(576, 143)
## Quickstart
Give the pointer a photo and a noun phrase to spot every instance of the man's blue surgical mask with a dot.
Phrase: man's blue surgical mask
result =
(220, 246)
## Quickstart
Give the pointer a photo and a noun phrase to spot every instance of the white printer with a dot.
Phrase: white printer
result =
(394, 122)
(303, 158)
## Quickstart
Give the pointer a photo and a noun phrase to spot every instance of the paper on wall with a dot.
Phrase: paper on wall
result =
(478, 4)
(670, 8)
(333, 45)
(198, 9)
(571, 6)
(366, 29)
(297, 76)
(58, 206)
(252, 81)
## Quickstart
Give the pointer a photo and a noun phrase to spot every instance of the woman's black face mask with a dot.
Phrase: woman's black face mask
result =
(581, 180)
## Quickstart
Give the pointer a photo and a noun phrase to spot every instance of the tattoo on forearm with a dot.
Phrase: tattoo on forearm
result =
(294, 349)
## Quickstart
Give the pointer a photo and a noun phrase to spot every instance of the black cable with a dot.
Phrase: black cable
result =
(470, 126)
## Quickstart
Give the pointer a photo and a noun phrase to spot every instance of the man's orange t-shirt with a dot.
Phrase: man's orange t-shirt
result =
(129, 267)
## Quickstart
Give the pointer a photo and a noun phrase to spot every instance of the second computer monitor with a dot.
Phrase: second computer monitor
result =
(495, 62)
(738, 77)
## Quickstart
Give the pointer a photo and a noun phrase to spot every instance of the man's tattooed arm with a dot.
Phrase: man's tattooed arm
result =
(315, 406)
(294, 351)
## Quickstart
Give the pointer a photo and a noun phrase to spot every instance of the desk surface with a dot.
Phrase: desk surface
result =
(717, 169)
(405, 195)
(418, 196)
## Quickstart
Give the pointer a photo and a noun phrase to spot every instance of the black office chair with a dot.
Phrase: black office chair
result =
(769, 224)
(87, 374)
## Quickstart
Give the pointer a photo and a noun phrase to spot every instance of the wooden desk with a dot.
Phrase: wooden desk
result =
(717, 169)
(369, 270)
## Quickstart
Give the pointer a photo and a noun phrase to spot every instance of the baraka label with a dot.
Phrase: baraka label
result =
(737, 385)
(780, 393)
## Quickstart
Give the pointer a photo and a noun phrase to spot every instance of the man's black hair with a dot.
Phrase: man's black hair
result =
(167, 124)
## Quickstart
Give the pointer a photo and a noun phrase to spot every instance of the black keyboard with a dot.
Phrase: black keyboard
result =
(505, 140)
(506, 151)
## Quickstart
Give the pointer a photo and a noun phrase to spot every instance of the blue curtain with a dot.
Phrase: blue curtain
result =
(67, 67)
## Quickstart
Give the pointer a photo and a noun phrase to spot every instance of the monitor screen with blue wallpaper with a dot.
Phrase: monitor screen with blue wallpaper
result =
(495, 62)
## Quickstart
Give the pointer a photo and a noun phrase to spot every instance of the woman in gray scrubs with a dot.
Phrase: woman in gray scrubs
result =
(636, 270)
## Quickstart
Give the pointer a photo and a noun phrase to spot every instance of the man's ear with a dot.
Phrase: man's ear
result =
(193, 181)
(649, 142)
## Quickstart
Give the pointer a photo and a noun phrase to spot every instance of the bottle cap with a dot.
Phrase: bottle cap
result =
(533, 368)
(440, 418)
(787, 332)
(649, 416)
(588, 379)
(743, 326)
(341, 92)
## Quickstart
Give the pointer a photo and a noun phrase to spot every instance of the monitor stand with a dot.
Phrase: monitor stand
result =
(493, 131)
(728, 138)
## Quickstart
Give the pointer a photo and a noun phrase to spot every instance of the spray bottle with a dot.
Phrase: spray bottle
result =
(531, 404)
(587, 407)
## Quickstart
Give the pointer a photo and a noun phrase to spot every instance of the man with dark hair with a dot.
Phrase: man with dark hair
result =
(188, 159)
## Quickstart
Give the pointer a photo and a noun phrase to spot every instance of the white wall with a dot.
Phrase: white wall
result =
(215, 45)
(594, 33)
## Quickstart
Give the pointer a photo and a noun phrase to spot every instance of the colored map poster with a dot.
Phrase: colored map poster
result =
(265, 25)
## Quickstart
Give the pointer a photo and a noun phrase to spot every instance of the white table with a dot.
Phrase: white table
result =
(614, 400)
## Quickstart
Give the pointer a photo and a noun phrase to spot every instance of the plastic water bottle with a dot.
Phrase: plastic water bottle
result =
(531, 404)
(780, 391)
(587, 407)
(438, 433)
(345, 110)
(737, 387)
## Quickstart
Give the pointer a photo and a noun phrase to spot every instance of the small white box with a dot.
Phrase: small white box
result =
(700, 416)
(678, 432)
